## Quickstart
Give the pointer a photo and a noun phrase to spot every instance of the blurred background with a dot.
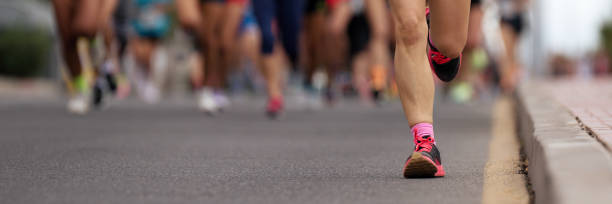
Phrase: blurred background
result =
(148, 73)
(557, 38)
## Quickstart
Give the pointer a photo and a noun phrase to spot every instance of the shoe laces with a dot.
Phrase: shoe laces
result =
(438, 57)
(424, 143)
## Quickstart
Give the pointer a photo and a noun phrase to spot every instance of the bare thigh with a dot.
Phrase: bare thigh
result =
(86, 17)
(63, 16)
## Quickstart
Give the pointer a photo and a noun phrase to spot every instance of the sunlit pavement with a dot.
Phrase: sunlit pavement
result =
(171, 153)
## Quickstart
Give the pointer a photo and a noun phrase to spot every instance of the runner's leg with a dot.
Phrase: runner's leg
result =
(229, 34)
(64, 15)
(413, 75)
(105, 23)
(190, 18)
(265, 12)
(416, 87)
(509, 64)
(212, 15)
(378, 18)
(289, 18)
(335, 41)
(449, 23)
(314, 25)
(74, 21)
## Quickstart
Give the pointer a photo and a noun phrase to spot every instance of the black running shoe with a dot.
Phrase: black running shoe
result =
(105, 85)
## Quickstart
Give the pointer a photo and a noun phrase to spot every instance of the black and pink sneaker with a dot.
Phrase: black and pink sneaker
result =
(425, 161)
(444, 67)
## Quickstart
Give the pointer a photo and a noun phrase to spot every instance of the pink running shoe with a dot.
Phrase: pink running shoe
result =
(425, 161)
(274, 108)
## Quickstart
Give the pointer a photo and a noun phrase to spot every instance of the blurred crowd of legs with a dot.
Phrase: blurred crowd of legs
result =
(318, 50)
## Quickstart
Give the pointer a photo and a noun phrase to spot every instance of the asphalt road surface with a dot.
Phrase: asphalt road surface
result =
(170, 153)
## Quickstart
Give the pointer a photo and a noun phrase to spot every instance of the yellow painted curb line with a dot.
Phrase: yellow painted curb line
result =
(503, 180)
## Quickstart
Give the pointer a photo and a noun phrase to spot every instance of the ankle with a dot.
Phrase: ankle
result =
(420, 130)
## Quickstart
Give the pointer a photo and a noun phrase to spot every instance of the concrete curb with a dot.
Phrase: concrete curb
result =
(566, 164)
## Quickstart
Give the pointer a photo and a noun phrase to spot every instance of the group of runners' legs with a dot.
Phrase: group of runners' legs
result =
(429, 36)
(82, 21)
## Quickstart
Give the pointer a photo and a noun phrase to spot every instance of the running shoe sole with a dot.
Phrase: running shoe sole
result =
(420, 166)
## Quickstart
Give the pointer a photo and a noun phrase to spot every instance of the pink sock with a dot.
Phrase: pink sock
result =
(423, 129)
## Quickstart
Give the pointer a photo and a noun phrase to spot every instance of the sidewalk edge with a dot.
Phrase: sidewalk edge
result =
(566, 165)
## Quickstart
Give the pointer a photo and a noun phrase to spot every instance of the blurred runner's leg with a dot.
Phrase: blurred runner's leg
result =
(378, 18)
(288, 15)
(212, 13)
(231, 20)
(106, 82)
(79, 19)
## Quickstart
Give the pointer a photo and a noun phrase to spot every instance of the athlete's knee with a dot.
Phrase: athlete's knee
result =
(451, 45)
(189, 22)
(410, 28)
(192, 27)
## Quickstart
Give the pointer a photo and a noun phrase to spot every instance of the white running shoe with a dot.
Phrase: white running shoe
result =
(222, 100)
(207, 102)
(78, 104)
(150, 93)
(145, 86)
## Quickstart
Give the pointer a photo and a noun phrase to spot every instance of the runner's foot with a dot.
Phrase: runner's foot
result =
(105, 86)
(223, 102)
(207, 102)
(444, 67)
(80, 100)
(425, 161)
(274, 107)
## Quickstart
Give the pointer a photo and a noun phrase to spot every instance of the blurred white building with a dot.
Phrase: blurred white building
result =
(567, 27)
(572, 27)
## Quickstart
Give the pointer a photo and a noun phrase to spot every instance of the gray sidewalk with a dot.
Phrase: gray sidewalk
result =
(566, 163)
